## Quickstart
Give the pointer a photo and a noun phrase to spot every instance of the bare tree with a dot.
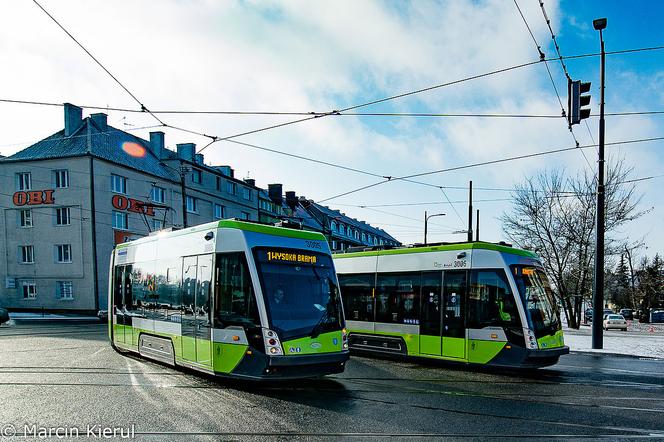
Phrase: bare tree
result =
(554, 215)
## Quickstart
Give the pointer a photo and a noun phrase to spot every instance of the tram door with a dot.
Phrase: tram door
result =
(442, 328)
(431, 319)
(121, 295)
(196, 312)
(454, 328)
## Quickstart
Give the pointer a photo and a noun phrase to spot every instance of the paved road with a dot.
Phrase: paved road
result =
(66, 375)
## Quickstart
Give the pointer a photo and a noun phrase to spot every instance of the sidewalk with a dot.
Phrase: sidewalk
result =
(25, 316)
(641, 341)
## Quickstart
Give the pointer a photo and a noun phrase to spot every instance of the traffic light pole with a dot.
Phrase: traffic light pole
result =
(598, 280)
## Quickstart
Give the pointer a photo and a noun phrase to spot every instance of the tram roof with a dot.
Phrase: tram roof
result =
(234, 224)
(502, 248)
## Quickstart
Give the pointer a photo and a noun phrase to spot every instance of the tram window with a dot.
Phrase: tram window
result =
(235, 301)
(490, 300)
(398, 298)
(356, 295)
(143, 289)
(168, 275)
(118, 301)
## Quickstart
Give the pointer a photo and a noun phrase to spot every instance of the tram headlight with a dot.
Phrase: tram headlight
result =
(272, 344)
(531, 341)
(344, 338)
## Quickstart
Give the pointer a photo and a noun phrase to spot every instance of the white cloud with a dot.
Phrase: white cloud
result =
(302, 56)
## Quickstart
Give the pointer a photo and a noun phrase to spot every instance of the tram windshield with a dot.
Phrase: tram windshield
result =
(300, 291)
(538, 300)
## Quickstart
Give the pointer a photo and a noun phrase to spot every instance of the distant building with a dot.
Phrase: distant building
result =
(341, 231)
(69, 198)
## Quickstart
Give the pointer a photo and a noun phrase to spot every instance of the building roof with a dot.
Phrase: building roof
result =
(111, 145)
(332, 213)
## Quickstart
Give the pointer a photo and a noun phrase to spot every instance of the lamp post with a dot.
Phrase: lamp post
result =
(426, 220)
(598, 281)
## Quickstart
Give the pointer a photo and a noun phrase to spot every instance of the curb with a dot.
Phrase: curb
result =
(619, 355)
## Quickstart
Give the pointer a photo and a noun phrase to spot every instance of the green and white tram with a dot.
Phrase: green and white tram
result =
(230, 298)
(474, 303)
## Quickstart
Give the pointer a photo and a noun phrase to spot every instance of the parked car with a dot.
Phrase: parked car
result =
(4, 315)
(627, 313)
(657, 316)
(588, 315)
(615, 321)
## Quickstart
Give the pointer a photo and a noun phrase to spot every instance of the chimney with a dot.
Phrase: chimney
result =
(100, 120)
(198, 158)
(250, 181)
(157, 143)
(73, 118)
(291, 200)
(276, 193)
(186, 151)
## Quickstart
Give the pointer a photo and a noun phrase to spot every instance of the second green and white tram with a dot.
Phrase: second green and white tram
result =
(230, 298)
(474, 303)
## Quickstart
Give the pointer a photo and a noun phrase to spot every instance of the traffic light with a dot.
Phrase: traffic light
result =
(576, 101)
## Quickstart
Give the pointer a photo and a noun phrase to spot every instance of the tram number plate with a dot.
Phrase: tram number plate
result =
(313, 244)
(460, 264)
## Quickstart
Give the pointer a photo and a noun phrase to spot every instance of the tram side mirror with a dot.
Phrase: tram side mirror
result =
(209, 236)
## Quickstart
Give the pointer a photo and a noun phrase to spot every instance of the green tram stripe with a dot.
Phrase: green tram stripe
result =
(441, 248)
(271, 230)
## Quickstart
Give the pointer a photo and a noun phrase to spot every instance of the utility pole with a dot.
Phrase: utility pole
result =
(477, 226)
(470, 212)
(598, 280)
(425, 227)
(183, 175)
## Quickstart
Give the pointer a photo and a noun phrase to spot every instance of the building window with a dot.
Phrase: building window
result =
(196, 176)
(342, 229)
(246, 193)
(118, 184)
(65, 290)
(218, 183)
(364, 237)
(62, 216)
(29, 290)
(219, 211)
(25, 217)
(244, 216)
(333, 226)
(157, 194)
(61, 178)
(23, 181)
(231, 187)
(63, 253)
(191, 205)
(27, 254)
(119, 220)
(157, 224)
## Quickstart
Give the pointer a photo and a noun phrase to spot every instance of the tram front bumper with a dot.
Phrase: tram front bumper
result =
(313, 365)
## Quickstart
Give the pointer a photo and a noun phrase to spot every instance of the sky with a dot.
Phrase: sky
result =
(297, 56)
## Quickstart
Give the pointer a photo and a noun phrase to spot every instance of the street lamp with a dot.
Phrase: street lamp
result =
(598, 281)
(426, 220)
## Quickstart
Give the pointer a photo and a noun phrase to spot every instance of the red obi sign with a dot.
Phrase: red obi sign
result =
(33, 197)
(121, 202)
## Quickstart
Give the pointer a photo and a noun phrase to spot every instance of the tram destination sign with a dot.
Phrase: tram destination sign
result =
(302, 258)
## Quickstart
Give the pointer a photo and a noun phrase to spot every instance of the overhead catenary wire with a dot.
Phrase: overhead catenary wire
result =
(340, 114)
(143, 107)
(553, 83)
(490, 162)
